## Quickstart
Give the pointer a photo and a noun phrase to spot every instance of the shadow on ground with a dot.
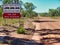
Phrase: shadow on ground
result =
(7, 32)
(29, 31)
(44, 32)
(49, 40)
(17, 41)
(48, 31)
(43, 21)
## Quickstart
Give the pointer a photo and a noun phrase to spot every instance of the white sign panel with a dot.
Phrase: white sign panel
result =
(11, 8)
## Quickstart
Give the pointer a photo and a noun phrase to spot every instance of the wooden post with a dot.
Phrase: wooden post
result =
(5, 21)
(19, 22)
(19, 18)
(4, 24)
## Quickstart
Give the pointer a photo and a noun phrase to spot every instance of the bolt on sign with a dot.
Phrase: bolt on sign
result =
(11, 11)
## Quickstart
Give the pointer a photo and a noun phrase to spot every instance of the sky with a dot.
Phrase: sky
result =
(43, 5)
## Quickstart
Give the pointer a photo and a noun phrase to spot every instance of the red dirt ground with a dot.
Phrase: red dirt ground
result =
(41, 24)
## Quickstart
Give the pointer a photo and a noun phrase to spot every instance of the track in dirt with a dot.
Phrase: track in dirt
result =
(48, 29)
(47, 23)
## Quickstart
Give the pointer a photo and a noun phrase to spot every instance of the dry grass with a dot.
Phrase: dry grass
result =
(10, 21)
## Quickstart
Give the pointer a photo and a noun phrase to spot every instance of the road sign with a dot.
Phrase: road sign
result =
(11, 11)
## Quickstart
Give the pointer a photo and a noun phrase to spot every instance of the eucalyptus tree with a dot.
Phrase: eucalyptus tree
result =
(29, 7)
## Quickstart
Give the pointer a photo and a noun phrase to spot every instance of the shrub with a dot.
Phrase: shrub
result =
(21, 30)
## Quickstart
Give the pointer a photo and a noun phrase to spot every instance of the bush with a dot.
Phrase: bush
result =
(0, 12)
(21, 30)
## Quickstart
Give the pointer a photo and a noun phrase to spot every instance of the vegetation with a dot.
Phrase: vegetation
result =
(52, 13)
(29, 7)
(27, 10)
(43, 14)
(7, 1)
(21, 30)
(0, 11)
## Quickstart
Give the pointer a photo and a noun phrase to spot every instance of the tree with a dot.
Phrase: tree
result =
(58, 9)
(29, 7)
(0, 11)
(7, 1)
(21, 4)
(53, 12)
(23, 13)
(34, 14)
(16, 1)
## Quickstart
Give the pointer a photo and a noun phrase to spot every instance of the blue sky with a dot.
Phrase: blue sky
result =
(43, 5)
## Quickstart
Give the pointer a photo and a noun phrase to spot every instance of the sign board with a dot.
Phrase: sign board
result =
(11, 11)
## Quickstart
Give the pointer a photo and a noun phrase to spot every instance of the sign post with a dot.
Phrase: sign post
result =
(11, 11)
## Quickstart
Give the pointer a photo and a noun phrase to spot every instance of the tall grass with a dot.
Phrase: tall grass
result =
(10, 21)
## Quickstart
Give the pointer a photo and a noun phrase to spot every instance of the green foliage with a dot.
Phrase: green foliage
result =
(58, 9)
(26, 8)
(21, 30)
(34, 14)
(21, 3)
(7, 1)
(52, 13)
(29, 7)
(0, 12)
(23, 13)
(28, 12)
(43, 14)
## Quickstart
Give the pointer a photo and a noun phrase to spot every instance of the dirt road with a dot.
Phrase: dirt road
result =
(46, 23)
